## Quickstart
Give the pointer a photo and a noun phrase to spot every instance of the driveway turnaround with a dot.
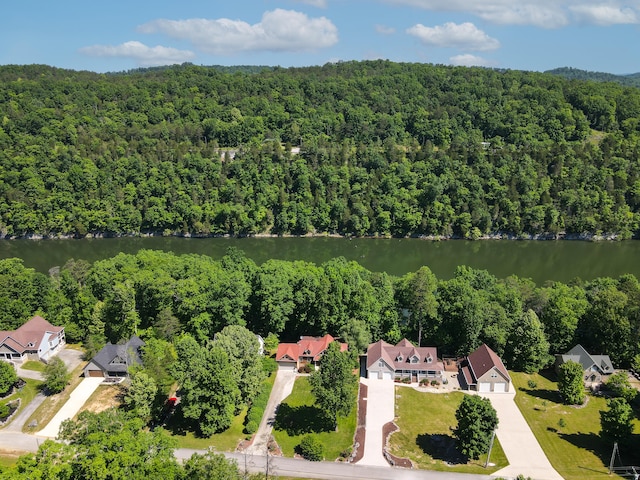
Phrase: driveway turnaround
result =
(380, 410)
(282, 388)
(76, 400)
(518, 442)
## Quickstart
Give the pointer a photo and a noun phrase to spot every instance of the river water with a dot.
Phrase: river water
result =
(539, 260)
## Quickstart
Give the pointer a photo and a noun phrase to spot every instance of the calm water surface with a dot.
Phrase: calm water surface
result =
(538, 260)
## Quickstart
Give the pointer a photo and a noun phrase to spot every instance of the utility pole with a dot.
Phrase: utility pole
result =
(613, 456)
(493, 436)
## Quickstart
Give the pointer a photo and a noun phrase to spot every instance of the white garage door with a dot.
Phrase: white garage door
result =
(500, 387)
(387, 375)
(484, 387)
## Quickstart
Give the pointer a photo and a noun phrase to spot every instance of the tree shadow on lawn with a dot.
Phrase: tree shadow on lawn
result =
(441, 447)
(590, 442)
(544, 394)
(302, 419)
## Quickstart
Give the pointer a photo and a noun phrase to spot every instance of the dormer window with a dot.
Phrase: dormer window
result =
(414, 359)
(399, 358)
(429, 359)
(307, 352)
(30, 344)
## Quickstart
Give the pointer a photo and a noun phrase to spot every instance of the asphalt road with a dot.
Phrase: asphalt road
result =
(292, 467)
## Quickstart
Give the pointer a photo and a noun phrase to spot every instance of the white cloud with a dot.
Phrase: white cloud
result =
(279, 31)
(464, 36)
(468, 60)
(144, 55)
(384, 30)
(314, 3)
(605, 14)
(540, 13)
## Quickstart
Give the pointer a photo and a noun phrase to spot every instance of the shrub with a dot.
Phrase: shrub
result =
(424, 381)
(306, 368)
(532, 384)
(269, 365)
(311, 448)
(406, 380)
(435, 383)
(251, 427)
(4, 411)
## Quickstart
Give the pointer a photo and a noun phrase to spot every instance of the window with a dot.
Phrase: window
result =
(380, 363)
(399, 358)
(494, 374)
(429, 359)
(414, 359)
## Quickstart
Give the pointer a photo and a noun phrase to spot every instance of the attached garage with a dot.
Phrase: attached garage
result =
(387, 376)
(95, 373)
(500, 387)
(484, 387)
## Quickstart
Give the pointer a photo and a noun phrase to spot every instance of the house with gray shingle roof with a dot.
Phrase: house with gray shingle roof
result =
(593, 366)
(114, 361)
(404, 360)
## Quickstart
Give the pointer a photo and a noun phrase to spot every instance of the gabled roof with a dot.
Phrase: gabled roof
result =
(118, 358)
(306, 347)
(29, 336)
(399, 357)
(484, 359)
(579, 355)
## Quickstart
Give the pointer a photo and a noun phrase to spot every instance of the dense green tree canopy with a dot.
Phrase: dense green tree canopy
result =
(209, 393)
(385, 148)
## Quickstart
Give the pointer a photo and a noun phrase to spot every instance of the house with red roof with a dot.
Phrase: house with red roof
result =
(482, 370)
(404, 360)
(308, 350)
(35, 340)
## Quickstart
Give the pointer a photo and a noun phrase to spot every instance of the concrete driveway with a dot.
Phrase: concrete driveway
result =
(76, 400)
(282, 388)
(518, 442)
(380, 410)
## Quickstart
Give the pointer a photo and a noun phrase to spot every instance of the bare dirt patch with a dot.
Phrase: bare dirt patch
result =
(105, 397)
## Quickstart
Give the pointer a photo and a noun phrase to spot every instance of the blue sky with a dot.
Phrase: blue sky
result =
(119, 35)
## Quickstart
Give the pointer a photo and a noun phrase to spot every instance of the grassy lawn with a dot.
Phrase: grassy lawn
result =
(45, 412)
(28, 392)
(226, 441)
(425, 435)
(298, 415)
(576, 450)
(33, 365)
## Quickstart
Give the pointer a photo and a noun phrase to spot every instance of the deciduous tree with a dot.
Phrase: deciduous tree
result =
(8, 377)
(208, 385)
(570, 383)
(334, 384)
(477, 419)
(56, 375)
(617, 422)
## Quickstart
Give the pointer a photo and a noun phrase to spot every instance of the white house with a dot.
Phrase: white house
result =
(35, 340)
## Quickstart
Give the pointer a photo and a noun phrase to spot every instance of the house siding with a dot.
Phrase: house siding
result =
(493, 380)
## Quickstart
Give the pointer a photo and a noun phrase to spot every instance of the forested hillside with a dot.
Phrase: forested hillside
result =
(632, 79)
(385, 149)
(161, 295)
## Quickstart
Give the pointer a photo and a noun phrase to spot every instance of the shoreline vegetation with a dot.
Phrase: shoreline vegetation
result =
(588, 237)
